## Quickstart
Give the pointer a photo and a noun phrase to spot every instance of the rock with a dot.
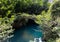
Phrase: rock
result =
(24, 21)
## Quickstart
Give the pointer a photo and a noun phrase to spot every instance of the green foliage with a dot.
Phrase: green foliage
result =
(6, 31)
(46, 20)
(6, 28)
(6, 7)
(56, 9)
(44, 17)
(30, 6)
(18, 9)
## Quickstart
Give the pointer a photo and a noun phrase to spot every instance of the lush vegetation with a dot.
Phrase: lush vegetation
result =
(47, 15)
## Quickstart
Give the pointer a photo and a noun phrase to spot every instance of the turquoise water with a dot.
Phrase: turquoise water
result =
(26, 34)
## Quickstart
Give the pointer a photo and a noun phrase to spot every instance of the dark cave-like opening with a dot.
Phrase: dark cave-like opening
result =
(20, 24)
(31, 22)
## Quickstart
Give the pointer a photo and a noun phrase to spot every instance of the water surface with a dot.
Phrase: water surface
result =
(26, 34)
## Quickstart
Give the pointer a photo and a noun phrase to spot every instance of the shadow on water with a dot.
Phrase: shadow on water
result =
(27, 33)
